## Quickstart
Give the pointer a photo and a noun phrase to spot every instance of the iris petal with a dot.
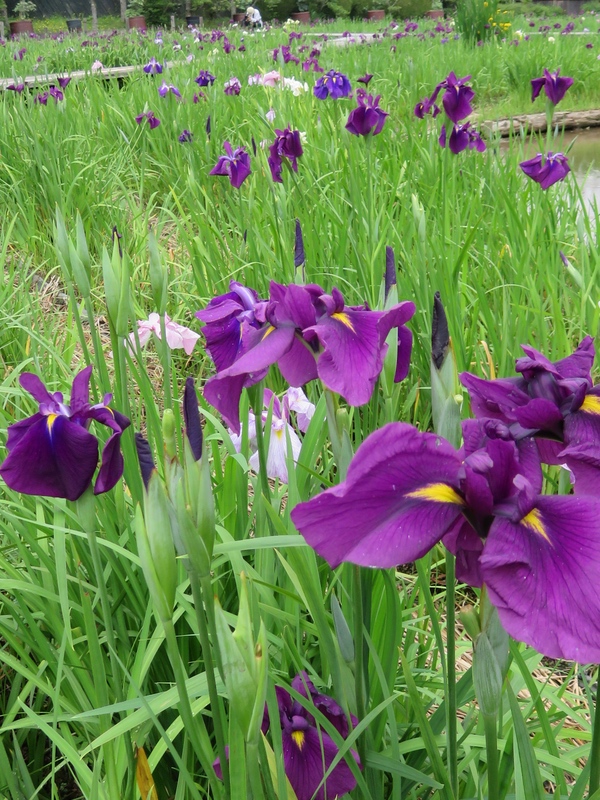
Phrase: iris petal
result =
(543, 573)
(306, 754)
(54, 458)
(398, 500)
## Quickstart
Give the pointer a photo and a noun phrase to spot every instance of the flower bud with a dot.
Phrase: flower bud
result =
(159, 574)
(487, 678)
(111, 286)
(159, 278)
(82, 248)
(168, 429)
(444, 378)
(76, 266)
(116, 274)
(419, 218)
(244, 665)
(342, 631)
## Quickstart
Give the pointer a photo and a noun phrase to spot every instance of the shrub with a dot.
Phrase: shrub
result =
(157, 12)
(404, 9)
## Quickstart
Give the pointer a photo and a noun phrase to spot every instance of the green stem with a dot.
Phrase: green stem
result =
(209, 668)
(131, 470)
(549, 128)
(491, 747)
(166, 363)
(194, 727)
(451, 727)
(100, 362)
(208, 596)
(332, 425)
(256, 402)
(106, 609)
(253, 766)
(371, 232)
(108, 749)
(359, 645)
(595, 748)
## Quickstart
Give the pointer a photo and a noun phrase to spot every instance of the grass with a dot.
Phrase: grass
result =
(89, 673)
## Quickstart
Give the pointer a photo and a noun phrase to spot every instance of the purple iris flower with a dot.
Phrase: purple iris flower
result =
(286, 145)
(55, 93)
(461, 137)
(153, 121)
(367, 118)
(546, 170)
(42, 98)
(366, 78)
(52, 453)
(153, 67)
(227, 46)
(288, 56)
(19, 55)
(232, 86)
(333, 84)
(165, 88)
(312, 63)
(185, 136)
(19, 87)
(554, 401)
(310, 335)
(538, 556)
(224, 317)
(199, 95)
(235, 165)
(308, 750)
(64, 82)
(457, 97)
(424, 106)
(554, 86)
(205, 78)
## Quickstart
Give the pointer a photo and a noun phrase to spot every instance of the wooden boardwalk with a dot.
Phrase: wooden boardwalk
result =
(48, 78)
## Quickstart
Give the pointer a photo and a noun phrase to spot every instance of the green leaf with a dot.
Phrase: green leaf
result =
(529, 785)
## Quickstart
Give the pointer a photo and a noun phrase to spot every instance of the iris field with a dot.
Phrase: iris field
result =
(287, 511)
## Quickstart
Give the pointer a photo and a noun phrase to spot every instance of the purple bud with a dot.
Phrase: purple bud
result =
(390, 270)
(440, 335)
(299, 255)
(191, 416)
(145, 458)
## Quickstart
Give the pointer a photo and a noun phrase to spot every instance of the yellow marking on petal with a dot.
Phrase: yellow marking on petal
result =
(591, 404)
(50, 421)
(298, 737)
(269, 330)
(279, 434)
(437, 493)
(344, 319)
(533, 521)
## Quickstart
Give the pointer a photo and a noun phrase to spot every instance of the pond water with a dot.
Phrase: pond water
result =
(584, 159)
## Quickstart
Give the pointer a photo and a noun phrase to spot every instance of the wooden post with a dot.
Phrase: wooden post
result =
(94, 16)
(123, 11)
(172, 22)
(1, 30)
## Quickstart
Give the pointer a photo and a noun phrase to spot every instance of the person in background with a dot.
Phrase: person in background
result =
(253, 17)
